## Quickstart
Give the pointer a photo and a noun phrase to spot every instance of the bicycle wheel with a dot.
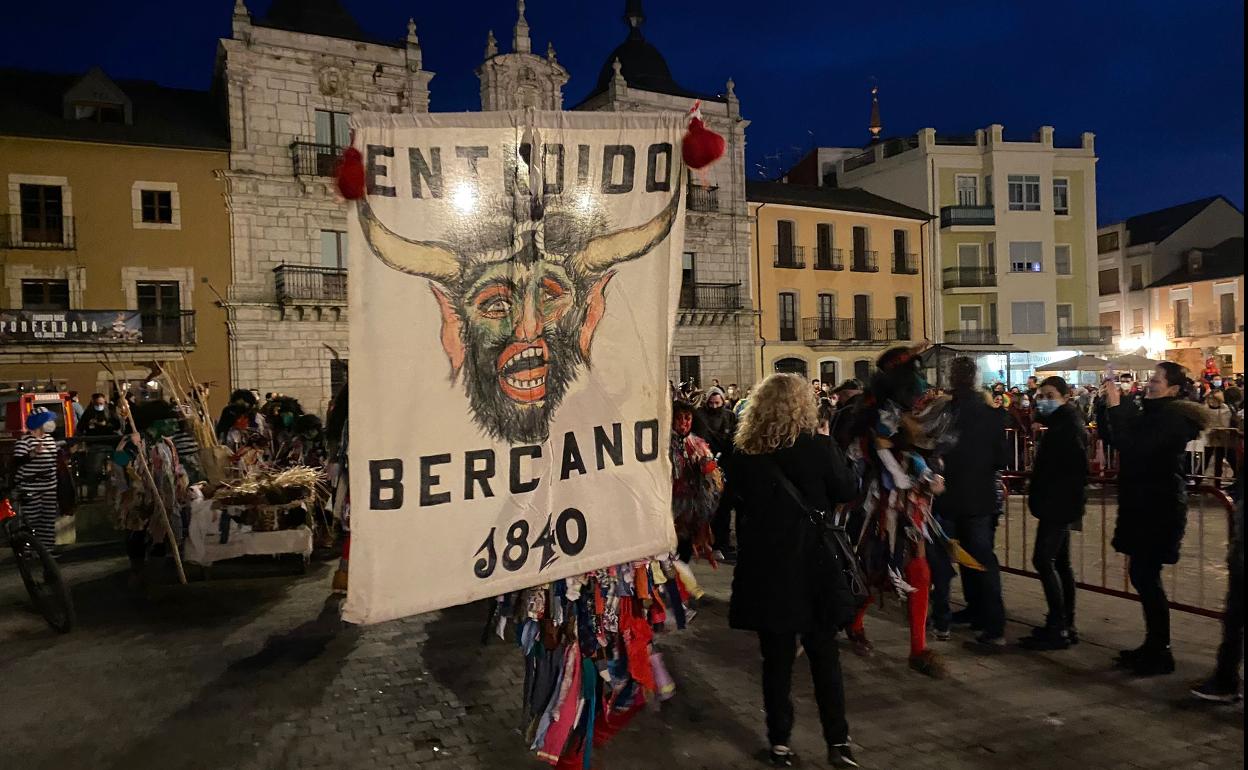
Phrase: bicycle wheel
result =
(43, 581)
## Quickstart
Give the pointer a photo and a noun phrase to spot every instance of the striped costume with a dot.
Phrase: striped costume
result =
(35, 457)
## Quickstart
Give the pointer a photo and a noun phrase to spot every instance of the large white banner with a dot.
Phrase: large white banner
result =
(514, 277)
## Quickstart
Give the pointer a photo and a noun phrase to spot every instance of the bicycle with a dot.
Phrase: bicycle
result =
(39, 570)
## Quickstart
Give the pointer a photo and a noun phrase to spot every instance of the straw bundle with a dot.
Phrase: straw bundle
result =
(271, 487)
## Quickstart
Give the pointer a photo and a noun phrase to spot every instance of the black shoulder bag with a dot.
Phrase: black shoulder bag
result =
(839, 586)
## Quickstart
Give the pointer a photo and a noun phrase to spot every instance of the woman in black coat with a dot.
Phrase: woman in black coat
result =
(1057, 496)
(1151, 439)
(774, 591)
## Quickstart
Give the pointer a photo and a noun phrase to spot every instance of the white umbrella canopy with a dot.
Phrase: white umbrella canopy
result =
(1083, 363)
(1133, 362)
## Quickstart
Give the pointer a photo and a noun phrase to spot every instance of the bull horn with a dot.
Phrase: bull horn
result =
(621, 246)
(427, 259)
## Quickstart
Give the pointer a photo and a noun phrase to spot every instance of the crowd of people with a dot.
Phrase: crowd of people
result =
(842, 496)
(153, 453)
(911, 476)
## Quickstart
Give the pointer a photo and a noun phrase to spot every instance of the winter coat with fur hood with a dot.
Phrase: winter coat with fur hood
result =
(1152, 489)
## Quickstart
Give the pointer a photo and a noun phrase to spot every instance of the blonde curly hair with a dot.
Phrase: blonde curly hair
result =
(779, 409)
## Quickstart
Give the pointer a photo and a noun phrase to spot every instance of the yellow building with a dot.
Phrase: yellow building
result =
(113, 232)
(1200, 307)
(838, 278)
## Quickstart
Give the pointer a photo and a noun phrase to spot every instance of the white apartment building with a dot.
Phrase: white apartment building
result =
(1011, 267)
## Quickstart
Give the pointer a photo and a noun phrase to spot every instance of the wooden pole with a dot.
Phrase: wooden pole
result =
(151, 480)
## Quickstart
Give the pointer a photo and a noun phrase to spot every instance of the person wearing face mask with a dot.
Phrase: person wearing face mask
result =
(717, 424)
(1220, 439)
(34, 456)
(1057, 497)
(1151, 438)
(99, 429)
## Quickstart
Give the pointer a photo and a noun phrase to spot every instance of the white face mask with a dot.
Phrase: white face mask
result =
(49, 428)
(98, 407)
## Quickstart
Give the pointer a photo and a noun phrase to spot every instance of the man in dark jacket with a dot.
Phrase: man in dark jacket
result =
(717, 424)
(1057, 497)
(99, 428)
(970, 499)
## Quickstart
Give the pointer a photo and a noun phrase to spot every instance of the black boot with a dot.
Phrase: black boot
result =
(1046, 638)
(841, 756)
(1127, 658)
(1154, 662)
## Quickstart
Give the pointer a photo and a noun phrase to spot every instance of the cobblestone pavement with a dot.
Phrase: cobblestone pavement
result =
(253, 670)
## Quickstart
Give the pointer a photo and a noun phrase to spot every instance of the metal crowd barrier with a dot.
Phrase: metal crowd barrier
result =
(1197, 584)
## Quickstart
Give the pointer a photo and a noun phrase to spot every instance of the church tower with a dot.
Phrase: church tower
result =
(520, 79)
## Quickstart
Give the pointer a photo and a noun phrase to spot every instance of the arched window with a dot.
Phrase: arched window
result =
(791, 366)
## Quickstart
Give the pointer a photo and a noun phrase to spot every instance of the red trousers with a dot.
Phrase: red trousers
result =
(919, 575)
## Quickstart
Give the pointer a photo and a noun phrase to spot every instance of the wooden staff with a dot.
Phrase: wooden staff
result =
(147, 474)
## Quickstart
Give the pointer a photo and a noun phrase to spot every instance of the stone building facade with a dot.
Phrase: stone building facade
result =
(290, 82)
(716, 333)
(520, 79)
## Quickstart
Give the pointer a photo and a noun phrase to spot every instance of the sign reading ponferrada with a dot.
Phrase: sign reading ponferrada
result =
(513, 282)
(70, 326)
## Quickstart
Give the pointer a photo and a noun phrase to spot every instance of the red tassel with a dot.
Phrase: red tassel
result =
(701, 146)
(351, 174)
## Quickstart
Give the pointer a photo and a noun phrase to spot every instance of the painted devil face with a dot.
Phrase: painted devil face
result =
(519, 320)
(520, 331)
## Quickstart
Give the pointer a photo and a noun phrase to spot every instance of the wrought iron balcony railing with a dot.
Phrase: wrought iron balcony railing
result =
(829, 259)
(701, 198)
(905, 263)
(312, 159)
(789, 256)
(864, 261)
(307, 283)
(710, 296)
(27, 231)
(817, 331)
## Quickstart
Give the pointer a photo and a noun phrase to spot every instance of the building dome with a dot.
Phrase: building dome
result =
(641, 64)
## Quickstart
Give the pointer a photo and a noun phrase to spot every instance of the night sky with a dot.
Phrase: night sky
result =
(1160, 83)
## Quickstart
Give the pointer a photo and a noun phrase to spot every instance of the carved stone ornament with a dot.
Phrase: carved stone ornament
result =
(332, 81)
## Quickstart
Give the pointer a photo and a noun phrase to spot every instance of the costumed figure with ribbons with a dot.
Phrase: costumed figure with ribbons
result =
(697, 485)
(240, 421)
(281, 414)
(137, 499)
(590, 661)
(897, 436)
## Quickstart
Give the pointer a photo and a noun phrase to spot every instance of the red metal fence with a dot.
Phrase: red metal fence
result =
(1197, 584)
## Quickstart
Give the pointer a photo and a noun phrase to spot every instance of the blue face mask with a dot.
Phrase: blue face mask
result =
(1047, 406)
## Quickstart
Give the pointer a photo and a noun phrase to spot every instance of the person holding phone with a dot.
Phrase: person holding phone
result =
(1151, 438)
